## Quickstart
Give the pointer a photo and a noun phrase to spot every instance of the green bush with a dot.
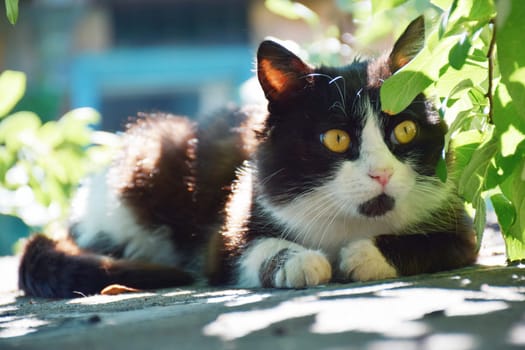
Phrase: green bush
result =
(41, 164)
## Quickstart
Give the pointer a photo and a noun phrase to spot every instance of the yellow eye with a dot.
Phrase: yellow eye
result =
(336, 140)
(404, 132)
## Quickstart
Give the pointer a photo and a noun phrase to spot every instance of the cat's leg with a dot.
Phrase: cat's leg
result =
(363, 261)
(389, 256)
(274, 262)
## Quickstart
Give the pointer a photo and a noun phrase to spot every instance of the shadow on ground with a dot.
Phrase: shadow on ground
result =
(474, 308)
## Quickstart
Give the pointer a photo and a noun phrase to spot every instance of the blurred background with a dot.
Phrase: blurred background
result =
(187, 57)
(122, 56)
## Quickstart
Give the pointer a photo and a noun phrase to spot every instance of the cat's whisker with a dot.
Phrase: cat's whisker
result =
(342, 92)
(327, 228)
(310, 214)
(269, 177)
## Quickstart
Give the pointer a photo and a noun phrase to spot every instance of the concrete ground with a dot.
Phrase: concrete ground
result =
(481, 307)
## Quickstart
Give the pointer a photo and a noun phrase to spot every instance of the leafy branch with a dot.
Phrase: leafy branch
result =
(490, 57)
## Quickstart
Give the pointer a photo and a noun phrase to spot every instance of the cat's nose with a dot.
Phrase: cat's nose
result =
(382, 175)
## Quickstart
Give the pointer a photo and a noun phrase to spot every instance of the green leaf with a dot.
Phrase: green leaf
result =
(470, 15)
(441, 170)
(514, 189)
(516, 86)
(75, 125)
(480, 219)
(472, 180)
(510, 140)
(459, 52)
(12, 88)
(505, 110)
(442, 4)
(472, 184)
(504, 210)
(19, 129)
(477, 97)
(382, 5)
(7, 160)
(11, 7)
(399, 90)
(511, 52)
(293, 10)
(50, 134)
(464, 144)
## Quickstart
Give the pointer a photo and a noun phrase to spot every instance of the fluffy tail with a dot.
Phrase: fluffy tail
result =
(59, 269)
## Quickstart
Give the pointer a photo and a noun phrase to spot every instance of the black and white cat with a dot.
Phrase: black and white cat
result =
(327, 187)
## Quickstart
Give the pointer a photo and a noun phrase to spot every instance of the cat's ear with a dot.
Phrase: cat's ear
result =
(408, 45)
(280, 72)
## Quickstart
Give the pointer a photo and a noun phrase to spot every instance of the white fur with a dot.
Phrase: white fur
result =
(305, 268)
(362, 261)
(97, 209)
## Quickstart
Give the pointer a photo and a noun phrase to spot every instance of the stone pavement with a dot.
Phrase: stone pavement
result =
(481, 307)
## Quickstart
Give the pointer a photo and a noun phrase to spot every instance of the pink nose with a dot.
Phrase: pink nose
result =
(381, 175)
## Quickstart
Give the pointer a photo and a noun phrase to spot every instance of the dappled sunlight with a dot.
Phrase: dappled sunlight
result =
(245, 300)
(450, 342)
(392, 310)
(7, 299)
(223, 293)
(362, 290)
(106, 299)
(391, 317)
(178, 293)
(15, 326)
(471, 308)
(431, 295)
(517, 334)
(433, 342)
(234, 325)
(232, 297)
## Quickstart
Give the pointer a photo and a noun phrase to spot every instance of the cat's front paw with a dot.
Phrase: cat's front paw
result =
(362, 261)
(296, 269)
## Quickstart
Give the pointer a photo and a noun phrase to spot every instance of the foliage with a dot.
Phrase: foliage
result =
(473, 63)
(41, 163)
(11, 9)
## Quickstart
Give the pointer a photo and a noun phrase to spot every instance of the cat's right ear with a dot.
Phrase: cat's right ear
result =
(280, 72)
(408, 45)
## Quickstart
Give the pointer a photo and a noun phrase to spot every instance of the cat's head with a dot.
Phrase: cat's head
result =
(327, 140)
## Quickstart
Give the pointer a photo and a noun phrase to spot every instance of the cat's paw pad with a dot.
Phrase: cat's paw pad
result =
(362, 261)
(302, 269)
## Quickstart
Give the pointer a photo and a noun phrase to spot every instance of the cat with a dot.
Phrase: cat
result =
(322, 187)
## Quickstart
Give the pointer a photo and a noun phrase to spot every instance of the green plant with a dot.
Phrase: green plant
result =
(41, 164)
(473, 63)
(11, 9)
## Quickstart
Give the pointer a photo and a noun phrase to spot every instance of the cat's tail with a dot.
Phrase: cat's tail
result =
(59, 269)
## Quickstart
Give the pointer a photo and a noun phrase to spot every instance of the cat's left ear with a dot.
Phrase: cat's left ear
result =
(408, 45)
(280, 72)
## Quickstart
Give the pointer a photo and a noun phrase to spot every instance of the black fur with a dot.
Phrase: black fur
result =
(52, 269)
